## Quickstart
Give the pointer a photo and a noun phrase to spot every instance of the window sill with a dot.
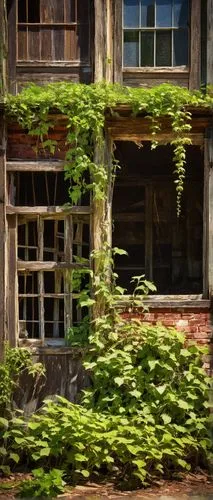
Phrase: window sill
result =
(36, 347)
(53, 64)
(165, 302)
(158, 70)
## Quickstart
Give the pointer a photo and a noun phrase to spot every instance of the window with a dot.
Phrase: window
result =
(155, 33)
(167, 249)
(51, 241)
(53, 31)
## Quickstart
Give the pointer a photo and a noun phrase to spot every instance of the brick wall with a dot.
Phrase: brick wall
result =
(196, 323)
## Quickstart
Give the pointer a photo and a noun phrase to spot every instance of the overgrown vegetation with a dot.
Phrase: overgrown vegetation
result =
(146, 413)
(85, 107)
(16, 362)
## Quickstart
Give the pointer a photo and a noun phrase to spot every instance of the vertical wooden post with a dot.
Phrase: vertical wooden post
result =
(68, 250)
(12, 284)
(195, 66)
(3, 47)
(118, 78)
(209, 36)
(149, 232)
(2, 234)
(208, 215)
(41, 280)
(100, 40)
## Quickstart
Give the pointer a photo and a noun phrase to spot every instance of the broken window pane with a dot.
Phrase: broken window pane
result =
(131, 49)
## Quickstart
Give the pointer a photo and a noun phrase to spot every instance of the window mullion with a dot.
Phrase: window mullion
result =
(41, 280)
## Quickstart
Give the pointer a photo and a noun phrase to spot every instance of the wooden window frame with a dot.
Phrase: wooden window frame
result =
(77, 215)
(192, 73)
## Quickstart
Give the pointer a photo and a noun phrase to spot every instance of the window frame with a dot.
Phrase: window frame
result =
(189, 76)
(155, 30)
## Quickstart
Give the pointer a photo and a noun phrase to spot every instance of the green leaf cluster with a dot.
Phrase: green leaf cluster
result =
(145, 415)
(44, 484)
(85, 108)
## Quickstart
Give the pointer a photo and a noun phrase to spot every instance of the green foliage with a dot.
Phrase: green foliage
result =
(146, 414)
(17, 362)
(45, 484)
(85, 106)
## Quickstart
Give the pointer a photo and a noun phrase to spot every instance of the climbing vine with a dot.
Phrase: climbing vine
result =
(85, 106)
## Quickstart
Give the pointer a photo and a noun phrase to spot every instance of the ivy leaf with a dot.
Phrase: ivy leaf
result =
(119, 381)
(166, 418)
(183, 404)
(15, 457)
(161, 388)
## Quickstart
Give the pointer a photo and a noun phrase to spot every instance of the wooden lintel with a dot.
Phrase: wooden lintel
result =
(46, 265)
(45, 211)
(35, 166)
(196, 139)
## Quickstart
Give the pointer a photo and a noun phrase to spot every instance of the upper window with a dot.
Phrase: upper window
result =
(155, 33)
(53, 31)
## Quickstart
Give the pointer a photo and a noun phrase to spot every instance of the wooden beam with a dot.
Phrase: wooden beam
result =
(3, 48)
(51, 211)
(12, 284)
(68, 251)
(2, 234)
(100, 40)
(12, 45)
(35, 166)
(148, 232)
(118, 77)
(208, 215)
(38, 265)
(195, 60)
(209, 35)
(196, 139)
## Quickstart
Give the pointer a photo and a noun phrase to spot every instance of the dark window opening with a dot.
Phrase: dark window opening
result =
(166, 249)
(53, 31)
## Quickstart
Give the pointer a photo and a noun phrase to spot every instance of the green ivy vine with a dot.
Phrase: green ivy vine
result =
(85, 106)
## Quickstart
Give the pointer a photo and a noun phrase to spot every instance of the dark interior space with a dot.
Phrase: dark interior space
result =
(167, 249)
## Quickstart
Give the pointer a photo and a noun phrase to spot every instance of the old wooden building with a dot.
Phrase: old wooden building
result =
(136, 43)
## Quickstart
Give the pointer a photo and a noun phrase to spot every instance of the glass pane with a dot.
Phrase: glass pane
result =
(181, 12)
(147, 13)
(131, 13)
(131, 49)
(147, 49)
(163, 13)
(163, 48)
(34, 12)
(180, 47)
(22, 12)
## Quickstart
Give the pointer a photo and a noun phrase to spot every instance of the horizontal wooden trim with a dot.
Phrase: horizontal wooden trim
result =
(45, 211)
(196, 139)
(165, 302)
(37, 347)
(47, 296)
(159, 69)
(35, 166)
(52, 64)
(37, 265)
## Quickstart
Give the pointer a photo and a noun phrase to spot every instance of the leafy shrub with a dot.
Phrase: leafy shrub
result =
(17, 361)
(146, 414)
(48, 484)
